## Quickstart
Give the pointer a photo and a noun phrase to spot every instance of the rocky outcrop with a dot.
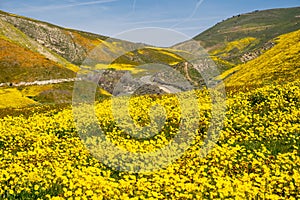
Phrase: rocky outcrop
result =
(54, 38)
(148, 89)
(109, 79)
(254, 54)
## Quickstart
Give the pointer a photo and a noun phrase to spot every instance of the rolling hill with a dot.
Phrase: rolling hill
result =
(243, 37)
(279, 65)
(60, 152)
(33, 50)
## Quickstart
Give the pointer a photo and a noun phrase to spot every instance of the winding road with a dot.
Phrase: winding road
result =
(44, 82)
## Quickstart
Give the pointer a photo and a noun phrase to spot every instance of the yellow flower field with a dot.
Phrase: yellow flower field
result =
(256, 157)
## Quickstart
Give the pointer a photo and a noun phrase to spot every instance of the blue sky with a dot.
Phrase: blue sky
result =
(110, 17)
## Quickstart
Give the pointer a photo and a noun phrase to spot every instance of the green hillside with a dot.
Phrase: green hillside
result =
(244, 33)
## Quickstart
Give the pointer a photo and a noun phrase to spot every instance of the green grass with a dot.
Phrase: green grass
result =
(284, 145)
(33, 109)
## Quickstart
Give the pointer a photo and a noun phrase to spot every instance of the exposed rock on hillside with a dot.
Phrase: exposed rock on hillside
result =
(254, 54)
(58, 40)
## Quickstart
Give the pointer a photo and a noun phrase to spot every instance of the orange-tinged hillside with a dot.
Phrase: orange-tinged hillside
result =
(20, 64)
